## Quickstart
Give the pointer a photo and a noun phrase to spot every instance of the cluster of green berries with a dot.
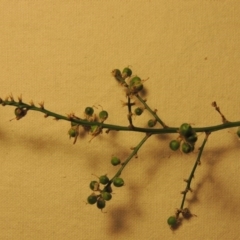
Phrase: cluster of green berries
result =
(134, 83)
(90, 116)
(186, 140)
(100, 196)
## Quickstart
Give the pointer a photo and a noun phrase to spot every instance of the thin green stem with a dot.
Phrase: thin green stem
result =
(151, 111)
(189, 180)
(133, 154)
(82, 122)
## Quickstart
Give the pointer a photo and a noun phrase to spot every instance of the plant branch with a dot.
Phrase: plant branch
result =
(151, 111)
(134, 153)
(82, 122)
(189, 180)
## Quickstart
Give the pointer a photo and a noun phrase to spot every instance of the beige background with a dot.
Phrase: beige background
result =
(62, 52)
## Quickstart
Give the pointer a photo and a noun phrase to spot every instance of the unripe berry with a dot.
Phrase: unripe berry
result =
(172, 221)
(135, 85)
(104, 179)
(186, 130)
(89, 111)
(115, 161)
(108, 188)
(138, 111)
(151, 123)
(117, 75)
(187, 148)
(92, 199)
(174, 145)
(101, 203)
(94, 185)
(192, 139)
(106, 196)
(103, 115)
(127, 72)
(72, 132)
(118, 182)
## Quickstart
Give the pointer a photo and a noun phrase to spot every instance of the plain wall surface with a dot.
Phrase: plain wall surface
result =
(62, 53)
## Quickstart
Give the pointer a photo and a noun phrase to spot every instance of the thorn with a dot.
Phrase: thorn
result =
(20, 98)
(46, 115)
(11, 97)
(32, 103)
(70, 116)
(123, 103)
(41, 105)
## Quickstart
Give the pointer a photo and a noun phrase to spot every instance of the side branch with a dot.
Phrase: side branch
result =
(189, 180)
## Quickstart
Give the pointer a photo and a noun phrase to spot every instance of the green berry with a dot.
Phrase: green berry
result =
(151, 123)
(127, 72)
(135, 85)
(89, 111)
(106, 196)
(174, 145)
(108, 188)
(72, 132)
(138, 111)
(135, 80)
(186, 130)
(115, 161)
(92, 199)
(103, 115)
(187, 148)
(101, 203)
(94, 185)
(192, 139)
(104, 179)
(118, 182)
(172, 221)
(117, 75)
